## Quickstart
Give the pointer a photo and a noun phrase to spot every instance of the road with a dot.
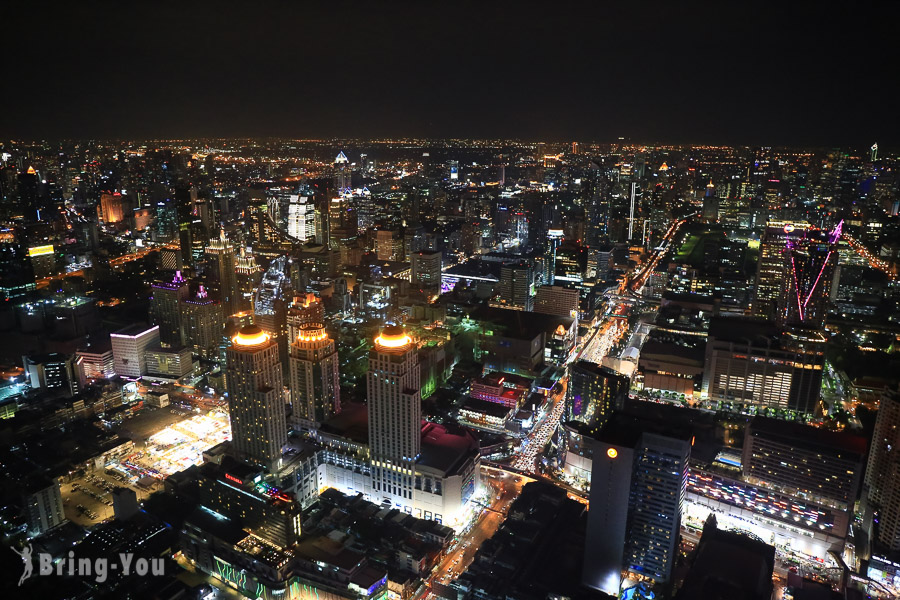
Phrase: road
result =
(535, 441)
(505, 489)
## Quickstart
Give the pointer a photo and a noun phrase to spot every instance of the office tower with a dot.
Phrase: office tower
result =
(301, 223)
(598, 262)
(95, 361)
(804, 461)
(556, 300)
(256, 397)
(554, 239)
(43, 506)
(751, 362)
(882, 484)
(129, 346)
(111, 208)
(395, 415)
(222, 253)
(771, 274)
(315, 381)
(202, 324)
(594, 392)
(52, 371)
(342, 183)
(30, 197)
(171, 363)
(170, 259)
(515, 285)
(388, 245)
(165, 308)
(810, 262)
(454, 170)
(185, 214)
(426, 270)
(43, 260)
(271, 301)
(16, 272)
(710, 210)
(247, 278)
(638, 482)
(304, 309)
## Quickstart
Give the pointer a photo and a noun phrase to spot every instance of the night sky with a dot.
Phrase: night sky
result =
(652, 72)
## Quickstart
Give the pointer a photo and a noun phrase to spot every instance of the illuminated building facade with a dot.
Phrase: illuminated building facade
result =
(751, 362)
(770, 267)
(203, 324)
(810, 263)
(315, 378)
(256, 397)
(165, 308)
(594, 392)
(222, 253)
(129, 346)
(882, 486)
(638, 482)
(395, 414)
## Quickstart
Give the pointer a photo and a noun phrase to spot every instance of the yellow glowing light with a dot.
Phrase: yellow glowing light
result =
(40, 250)
(612, 453)
(250, 340)
(392, 341)
(788, 228)
(311, 335)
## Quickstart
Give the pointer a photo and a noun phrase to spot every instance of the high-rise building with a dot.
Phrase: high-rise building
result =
(301, 223)
(315, 379)
(638, 483)
(43, 506)
(810, 263)
(771, 274)
(594, 392)
(165, 308)
(256, 398)
(882, 484)
(516, 281)
(804, 461)
(395, 415)
(222, 253)
(388, 245)
(426, 270)
(753, 363)
(111, 208)
(554, 239)
(129, 346)
(202, 324)
(248, 275)
(557, 300)
(710, 211)
(304, 309)
(342, 173)
(52, 371)
(271, 302)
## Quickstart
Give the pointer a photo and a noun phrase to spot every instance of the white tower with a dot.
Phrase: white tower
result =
(395, 415)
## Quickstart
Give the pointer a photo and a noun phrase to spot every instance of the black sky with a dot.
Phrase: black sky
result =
(785, 73)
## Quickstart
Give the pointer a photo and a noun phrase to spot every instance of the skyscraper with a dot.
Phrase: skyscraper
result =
(638, 483)
(810, 266)
(128, 346)
(165, 308)
(426, 270)
(882, 485)
(395, 415)
(301, 223)
(315, 380)
(554, 239)
(770, 268)
(222, 253)
(515, 285)
(256, 397)
(594, 392)
(202, 324)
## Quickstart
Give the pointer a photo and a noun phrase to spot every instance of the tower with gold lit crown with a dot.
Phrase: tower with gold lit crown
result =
(395, 415)
(315, 379)
(255, 398)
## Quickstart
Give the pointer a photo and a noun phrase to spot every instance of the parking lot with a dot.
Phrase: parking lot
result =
(87, 500)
